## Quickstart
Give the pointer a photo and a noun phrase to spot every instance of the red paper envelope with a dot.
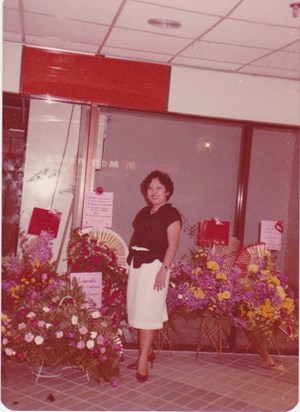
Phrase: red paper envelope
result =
(44, 220)
(212, 232)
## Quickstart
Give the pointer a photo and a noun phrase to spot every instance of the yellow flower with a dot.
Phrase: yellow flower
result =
(199, 293)
(280, 292)
(273, 279)
(266, 272)
(267, 310)
(288, 304)
(223, 295)
(213, 266)
(267, 253)
(221, 276)
(253, 268)
(226, 294)
(196, 271)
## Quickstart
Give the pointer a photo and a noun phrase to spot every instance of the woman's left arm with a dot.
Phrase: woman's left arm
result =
(173, 233)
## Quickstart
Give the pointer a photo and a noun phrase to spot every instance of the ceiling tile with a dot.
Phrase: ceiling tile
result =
(280, 60)
(136, 55)
(142, 41)
(239, 34)
(11, 20)
(295, 47)
(268, 71)
(13, 4)
(135, 16)
(54, 43)
(13, 37)
(47, 26)
(267, 11)
(102, 11)
(224, 52)
(251, 34)
(185, 61)
(216, 7)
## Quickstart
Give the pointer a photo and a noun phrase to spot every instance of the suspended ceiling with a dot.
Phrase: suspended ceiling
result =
(258, 37)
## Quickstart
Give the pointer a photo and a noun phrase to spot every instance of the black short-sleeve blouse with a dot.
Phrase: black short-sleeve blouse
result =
(150, 232)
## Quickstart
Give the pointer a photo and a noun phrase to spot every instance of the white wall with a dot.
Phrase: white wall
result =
(11, 62)
(234, 96)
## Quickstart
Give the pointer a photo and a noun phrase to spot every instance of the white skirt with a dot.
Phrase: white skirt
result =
(146, 307)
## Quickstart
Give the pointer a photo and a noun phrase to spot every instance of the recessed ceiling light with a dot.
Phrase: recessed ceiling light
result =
(164, 23)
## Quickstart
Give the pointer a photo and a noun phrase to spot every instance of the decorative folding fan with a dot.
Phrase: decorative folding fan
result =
(250, 254)
(112, 240)
(256, 251)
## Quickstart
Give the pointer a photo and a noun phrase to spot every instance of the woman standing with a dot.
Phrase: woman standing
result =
(152, 248)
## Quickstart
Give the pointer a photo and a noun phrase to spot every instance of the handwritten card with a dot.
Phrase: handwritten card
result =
(271, 234)
(97, 210)
(91, 283)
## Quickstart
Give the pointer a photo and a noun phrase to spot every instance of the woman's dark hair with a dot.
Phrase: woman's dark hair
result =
(164, 179)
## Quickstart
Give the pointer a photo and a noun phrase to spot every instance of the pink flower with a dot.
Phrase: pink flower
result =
(9, 352)
(83, 330)
(29, 337)
(80, 344)
(21, 326)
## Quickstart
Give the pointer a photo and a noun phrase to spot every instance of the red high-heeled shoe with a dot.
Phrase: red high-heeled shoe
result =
(151, 359)
(141, 378)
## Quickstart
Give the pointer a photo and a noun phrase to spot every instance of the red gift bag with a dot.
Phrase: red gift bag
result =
(213, 232)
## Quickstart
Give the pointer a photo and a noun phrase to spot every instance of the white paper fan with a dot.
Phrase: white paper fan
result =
(112, 240)
(256, 251)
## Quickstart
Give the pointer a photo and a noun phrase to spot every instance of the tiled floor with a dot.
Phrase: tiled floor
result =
(177, 382)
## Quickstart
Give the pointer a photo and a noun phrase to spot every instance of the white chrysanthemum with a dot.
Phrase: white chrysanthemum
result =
(90, 344)
(38, 340)
(96, 314)
(74, 320)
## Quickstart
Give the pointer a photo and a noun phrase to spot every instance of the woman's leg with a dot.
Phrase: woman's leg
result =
(146, 338)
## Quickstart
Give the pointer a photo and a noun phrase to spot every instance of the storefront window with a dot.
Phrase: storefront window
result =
(202, 158)
(273, 193)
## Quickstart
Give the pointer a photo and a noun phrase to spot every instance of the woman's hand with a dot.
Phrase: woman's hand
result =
(160, 280)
